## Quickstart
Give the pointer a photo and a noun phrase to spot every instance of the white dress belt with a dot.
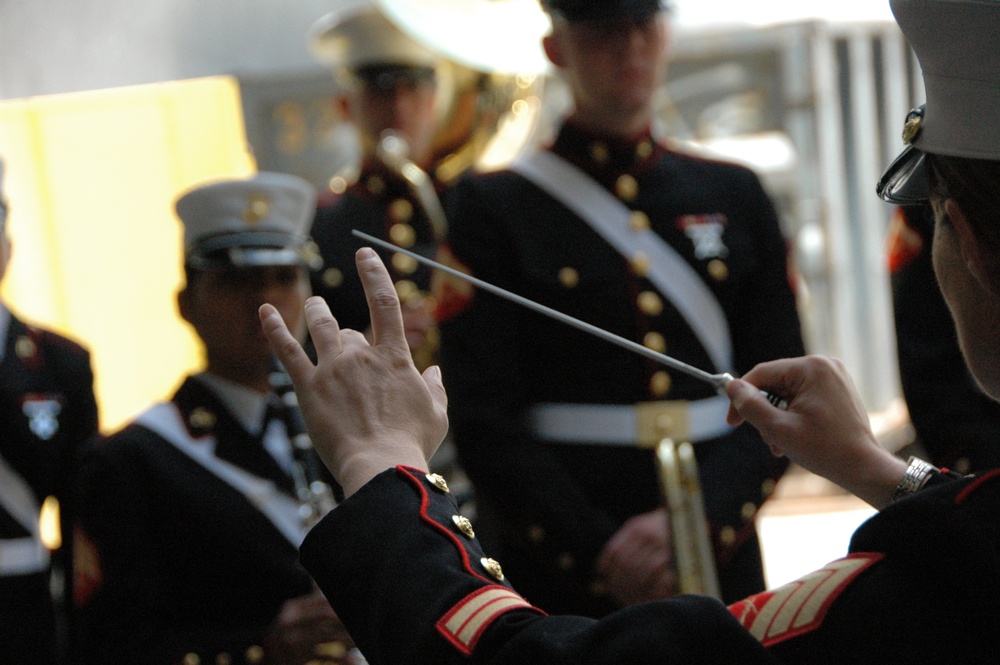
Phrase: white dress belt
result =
(643, 425)
(22, 556)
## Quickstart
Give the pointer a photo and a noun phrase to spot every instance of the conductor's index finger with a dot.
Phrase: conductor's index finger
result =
(283, 344)
(383, 302)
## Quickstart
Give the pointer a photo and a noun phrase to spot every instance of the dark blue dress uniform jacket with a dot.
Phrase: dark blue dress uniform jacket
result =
(549, 509)
(921, 586)
(187, 564)
(380, 204)
(40, 369)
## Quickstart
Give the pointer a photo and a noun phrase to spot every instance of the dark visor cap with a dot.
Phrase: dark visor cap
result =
(905, 180)
(603, 10)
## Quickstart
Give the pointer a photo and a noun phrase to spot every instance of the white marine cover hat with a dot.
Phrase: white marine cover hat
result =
(361, 36)
(958, 45)
(262, 220)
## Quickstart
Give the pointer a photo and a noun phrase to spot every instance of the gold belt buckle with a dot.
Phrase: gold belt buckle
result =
(661, 420)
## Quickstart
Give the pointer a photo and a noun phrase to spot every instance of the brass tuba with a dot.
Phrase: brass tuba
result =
(491, 78)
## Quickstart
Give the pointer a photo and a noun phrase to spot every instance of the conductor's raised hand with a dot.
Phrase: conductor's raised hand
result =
(366, 406)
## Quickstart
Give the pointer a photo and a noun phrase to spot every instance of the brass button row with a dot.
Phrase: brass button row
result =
(464, 526)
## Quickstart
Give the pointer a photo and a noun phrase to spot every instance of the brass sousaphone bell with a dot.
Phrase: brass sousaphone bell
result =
(490, 79)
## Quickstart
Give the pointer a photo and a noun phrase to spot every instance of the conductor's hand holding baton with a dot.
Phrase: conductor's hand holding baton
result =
(825, 427)
(366, 406)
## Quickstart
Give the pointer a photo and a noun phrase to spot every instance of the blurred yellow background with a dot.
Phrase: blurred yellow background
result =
(91, 179)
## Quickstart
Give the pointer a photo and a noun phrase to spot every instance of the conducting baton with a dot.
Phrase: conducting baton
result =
(718, 381)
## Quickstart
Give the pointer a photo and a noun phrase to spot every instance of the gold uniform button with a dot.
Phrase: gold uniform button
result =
(406, 289)
(404, 264)
(727, 535)
(438, 481)
(640, 263)
(659, 384)
(599, 152)
(748, 510)
(464, 525)
(334, 649)
(492, 567)
(333, 278)
(403, 235)
(223, 659)
(569, 277)
(638, 221)
(655, 341)
(191, 659)
(962, 465)
(565, 561)
(254, 655)
(649, 303)
(644, 149)
(718, 269)
(626, 187)
(338, 184)
(536, 533)
(201, 418)
(375, 185)
(401, 210)
(24, 347)
(767, 488)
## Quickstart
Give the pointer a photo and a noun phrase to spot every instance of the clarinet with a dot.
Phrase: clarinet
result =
(316, 497)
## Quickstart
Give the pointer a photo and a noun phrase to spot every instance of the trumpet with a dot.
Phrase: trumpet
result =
(693, 556)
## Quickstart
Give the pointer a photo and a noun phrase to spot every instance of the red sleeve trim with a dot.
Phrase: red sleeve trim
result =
(976, 484)
(415, 477)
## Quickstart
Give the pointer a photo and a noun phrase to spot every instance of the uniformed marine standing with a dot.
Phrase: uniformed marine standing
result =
(390, 91)
(47, 411)
(684, 255)
(193, 513)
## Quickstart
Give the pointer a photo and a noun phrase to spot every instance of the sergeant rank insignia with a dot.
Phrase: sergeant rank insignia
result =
(800, 606)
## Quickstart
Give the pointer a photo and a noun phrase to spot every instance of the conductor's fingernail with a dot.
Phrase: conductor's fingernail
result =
(366, 252)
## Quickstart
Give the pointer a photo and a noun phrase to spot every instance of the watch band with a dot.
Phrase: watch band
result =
(918, 472)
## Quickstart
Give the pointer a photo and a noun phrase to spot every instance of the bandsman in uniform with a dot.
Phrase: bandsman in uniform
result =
(193, 513)
(556, 429)
(47, 412)
(389, 84)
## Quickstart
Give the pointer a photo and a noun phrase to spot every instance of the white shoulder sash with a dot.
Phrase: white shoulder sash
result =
(165, 420)
(20, 556)
(609, 217)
